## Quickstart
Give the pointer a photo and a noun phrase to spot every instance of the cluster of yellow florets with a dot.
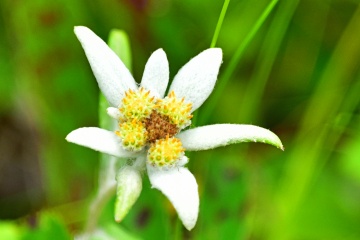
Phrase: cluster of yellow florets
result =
(165, 152)
(154, 122)
(133, 135)
(175, 109)
(137, 104)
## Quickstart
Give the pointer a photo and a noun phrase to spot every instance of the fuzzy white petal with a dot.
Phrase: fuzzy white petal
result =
(129, 186)
(156, 74)
(100, 140)
(180, 187)
(196, 80)
(212, 136)
(114, 112)
(183, 161)
(110, 72)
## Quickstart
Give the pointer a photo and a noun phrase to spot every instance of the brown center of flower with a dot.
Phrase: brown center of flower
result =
(159, 127)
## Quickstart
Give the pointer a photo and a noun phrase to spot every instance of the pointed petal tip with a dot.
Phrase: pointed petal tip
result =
(70, 136)
(74, 135)
(276, 142)
(100, 140)
(128, 190)
(189, 227)
(215, 52)
(180, 187)
(156, 73)
(160, 54)
(282, 148)
(84, 34)
(110, 72)
(160, 51)
(196, 79)
(119, 219)
(80, 29)
(217, 135)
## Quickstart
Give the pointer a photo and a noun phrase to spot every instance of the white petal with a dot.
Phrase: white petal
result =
(110, 72)
(129, 186)
(100, 140)
(196, 80)
(114, 113)
(212, 136)
(180, 187)
(156, 74)
(182, 161)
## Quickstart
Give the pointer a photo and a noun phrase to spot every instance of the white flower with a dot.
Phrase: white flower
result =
(151, 127)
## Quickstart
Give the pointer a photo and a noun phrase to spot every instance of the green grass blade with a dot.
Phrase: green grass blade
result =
(219, 23)
(229, 70)
(272, 42)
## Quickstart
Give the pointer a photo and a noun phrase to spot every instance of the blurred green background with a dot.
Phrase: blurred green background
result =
(298, 76)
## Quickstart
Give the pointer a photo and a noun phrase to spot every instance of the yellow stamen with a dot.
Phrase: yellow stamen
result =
(133, 135)
(137, 104)
(165, 152)
(176, 109)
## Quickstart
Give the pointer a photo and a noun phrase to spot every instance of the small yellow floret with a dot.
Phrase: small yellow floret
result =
(137, 104)
(165, 152)
(133, 135)
(176, 109)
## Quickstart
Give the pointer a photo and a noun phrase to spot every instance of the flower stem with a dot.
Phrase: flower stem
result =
(97, 206)
(219, 23)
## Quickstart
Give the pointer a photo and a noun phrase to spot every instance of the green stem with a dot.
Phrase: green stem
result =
(98, 205)
(219, 23)
(229, 70)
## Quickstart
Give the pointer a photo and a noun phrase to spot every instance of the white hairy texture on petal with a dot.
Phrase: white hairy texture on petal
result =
(180, 187)
(212, 136)
(182, 161)
(114, 112)
(110, 72)
(196, 80)
(156, 74)
(100, 140)
(129, 186)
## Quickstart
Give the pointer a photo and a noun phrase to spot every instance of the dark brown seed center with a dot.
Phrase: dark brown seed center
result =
(158, 127)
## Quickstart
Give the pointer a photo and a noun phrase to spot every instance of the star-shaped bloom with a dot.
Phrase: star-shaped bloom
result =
(152, 126)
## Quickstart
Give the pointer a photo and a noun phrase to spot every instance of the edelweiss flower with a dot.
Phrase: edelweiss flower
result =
(151, 126)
